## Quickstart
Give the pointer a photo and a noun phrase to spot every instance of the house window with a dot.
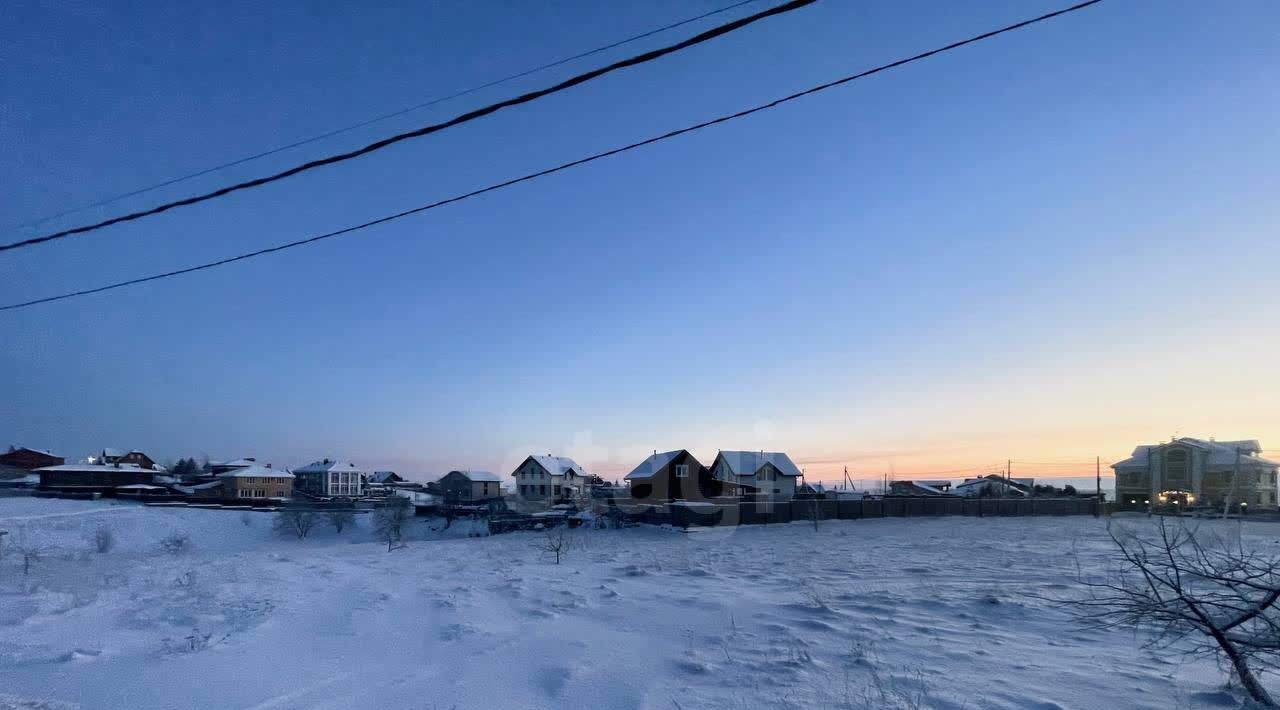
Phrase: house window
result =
(557, 490)
(542, 490)
(682, 470)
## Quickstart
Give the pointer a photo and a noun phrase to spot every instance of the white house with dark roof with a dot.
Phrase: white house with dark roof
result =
(550, 478)
(331, 478)
(772, 474)
(1191, 471)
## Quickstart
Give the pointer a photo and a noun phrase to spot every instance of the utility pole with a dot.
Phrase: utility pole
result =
(1231, 490)
(1008, 475)
(1097, 468)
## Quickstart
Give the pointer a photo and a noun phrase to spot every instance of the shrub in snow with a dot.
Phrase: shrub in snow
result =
(340, 519)
(175, 544)
(389, 520)
(246, 519)
(103, 540)
(293, 521)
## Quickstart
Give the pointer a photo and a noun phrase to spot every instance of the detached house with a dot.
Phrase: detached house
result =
(1189, 471)
(21, 457)
(92, 477)
(673, 475)
(550, 478)
(257, 482)
(768, 475)
(331, 479)
(995, 486)
(132, 457)
(470, 486)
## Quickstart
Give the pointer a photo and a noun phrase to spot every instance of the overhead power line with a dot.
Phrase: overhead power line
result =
(383, 117)
(524, 98)
(563, 166)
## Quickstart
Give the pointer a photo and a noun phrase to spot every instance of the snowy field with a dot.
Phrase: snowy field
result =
(929, 613)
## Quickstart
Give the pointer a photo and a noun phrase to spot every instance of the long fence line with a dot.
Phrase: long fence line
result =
(765, 513)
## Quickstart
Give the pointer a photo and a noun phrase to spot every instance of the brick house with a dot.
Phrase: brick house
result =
(257, 482)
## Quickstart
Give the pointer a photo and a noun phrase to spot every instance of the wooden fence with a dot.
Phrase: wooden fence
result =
(763, 513)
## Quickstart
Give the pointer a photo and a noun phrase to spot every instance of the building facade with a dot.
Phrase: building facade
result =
(550, 479)
(88, 477)
(257, 482)
(329, 478)
(133, 457)
(1191, 472)
(673, 475)
(470, 486)
(21, 457)
(765, 475)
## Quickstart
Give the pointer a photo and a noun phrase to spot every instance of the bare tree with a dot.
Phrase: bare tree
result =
(815, 512)
(340, 519)
(388, 521)
(294, 521)
(556, 540)
(1198, 587)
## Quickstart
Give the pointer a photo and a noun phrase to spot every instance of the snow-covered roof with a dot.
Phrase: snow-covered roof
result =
(1220, 453)
(199, 487)
(236, 463)
(327, 465)
(421, 498)
(558, 465)
(140, 487)
(480, 476)
(746, 463)
(112, 452)
(650, 466)
(256, 471)
(95, 467)
(992, 478)
(46, 452)
(382, 476)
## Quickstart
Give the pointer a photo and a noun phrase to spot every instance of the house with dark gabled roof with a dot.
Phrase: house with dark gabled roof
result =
(673, 475)
(27, 459)
(470, 487)
(550, 479)
(770, 475)
(132, 457)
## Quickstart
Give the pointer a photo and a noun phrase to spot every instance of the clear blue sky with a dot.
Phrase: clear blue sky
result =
(1021, 249)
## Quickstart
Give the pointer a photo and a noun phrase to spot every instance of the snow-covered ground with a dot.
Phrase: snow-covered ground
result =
(869, 613)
